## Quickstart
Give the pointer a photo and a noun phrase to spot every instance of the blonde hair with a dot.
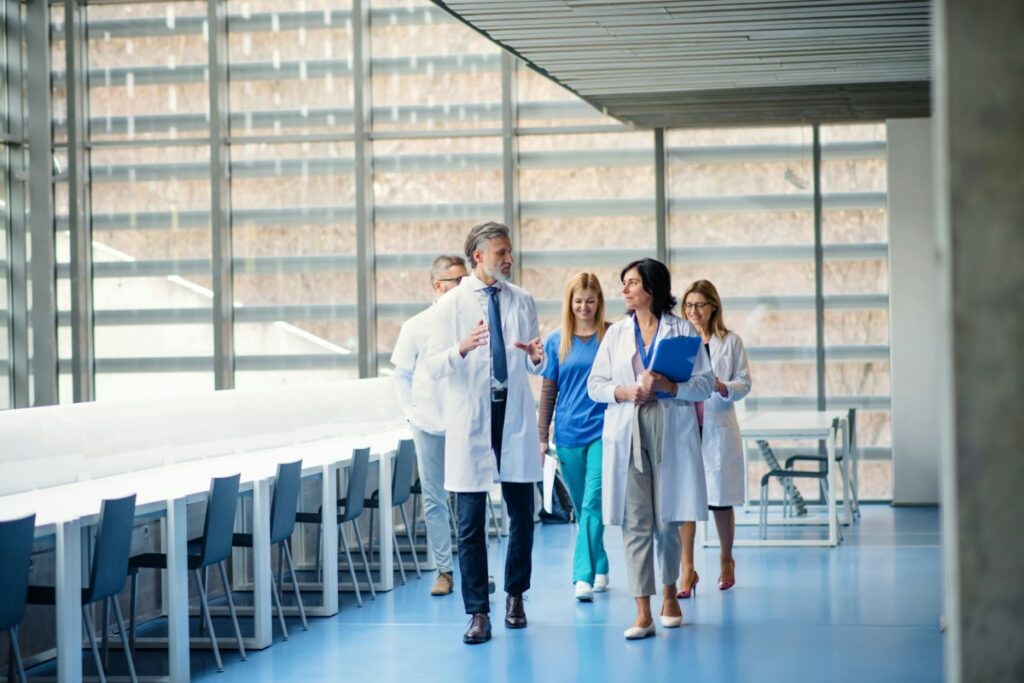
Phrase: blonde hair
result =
(576, 283)
(715, 322)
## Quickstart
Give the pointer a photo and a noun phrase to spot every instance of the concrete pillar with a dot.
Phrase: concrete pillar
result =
(978, 69)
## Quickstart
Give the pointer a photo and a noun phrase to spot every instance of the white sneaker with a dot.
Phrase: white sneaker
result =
(584, 591)
(600, 583)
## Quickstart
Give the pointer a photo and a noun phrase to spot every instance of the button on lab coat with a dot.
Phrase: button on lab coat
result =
(682, 469)
(722, 445)
(469, 462)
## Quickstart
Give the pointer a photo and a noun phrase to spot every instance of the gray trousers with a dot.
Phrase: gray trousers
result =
(430, 462)
(641, 526)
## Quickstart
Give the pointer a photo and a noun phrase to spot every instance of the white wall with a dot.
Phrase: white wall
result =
(914, 321)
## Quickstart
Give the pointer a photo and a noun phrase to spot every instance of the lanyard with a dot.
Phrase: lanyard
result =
(645, 355)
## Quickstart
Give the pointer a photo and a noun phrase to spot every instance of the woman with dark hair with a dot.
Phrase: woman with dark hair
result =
(653, 474)
(720, 431)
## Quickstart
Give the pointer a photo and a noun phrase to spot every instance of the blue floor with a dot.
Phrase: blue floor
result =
(867, 610)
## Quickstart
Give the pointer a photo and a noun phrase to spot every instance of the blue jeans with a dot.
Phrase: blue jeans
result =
(581, 468)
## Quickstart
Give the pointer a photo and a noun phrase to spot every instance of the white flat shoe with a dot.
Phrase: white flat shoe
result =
(584, 592)
(600, 583)
(639, 632)
(670, 622)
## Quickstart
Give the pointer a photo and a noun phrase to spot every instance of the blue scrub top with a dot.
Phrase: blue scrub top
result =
(578, 419)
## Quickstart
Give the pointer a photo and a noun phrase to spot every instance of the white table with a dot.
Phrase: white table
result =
(63, 511)
(786, 425)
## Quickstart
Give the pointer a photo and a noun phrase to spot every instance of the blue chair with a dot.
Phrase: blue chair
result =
(107, 576)
(212, 548)
(401, 487)
(16, 538)
(283, 507)
(351, 507)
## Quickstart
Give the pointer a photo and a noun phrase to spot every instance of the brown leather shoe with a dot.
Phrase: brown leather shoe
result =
(515, 614)
(479, 630)
(442, 584)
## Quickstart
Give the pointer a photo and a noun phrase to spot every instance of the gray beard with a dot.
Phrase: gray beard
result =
(496, 274)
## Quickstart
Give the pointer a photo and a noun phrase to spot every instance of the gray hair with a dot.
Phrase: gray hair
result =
(483, 232)
(442, 263)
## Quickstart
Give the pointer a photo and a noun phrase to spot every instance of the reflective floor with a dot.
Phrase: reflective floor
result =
(867, 610)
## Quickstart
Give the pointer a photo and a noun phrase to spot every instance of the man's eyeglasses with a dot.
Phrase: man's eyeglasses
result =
(698, 305)
(456, 280)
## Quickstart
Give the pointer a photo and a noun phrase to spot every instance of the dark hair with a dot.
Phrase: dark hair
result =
(656, 281)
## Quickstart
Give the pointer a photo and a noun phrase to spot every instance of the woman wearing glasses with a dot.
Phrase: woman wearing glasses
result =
(578, 423)
(653, 476)
(720, 432)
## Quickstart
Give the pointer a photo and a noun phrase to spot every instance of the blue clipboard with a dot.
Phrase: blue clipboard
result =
(674, 357)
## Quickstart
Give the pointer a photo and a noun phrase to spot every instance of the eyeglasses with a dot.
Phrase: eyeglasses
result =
(456, 280)
(698, 305)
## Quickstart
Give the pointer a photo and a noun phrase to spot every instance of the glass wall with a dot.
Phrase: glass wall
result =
(856, 286)
(437, 150)
(5, 221)
(740, 208)
(292, 191)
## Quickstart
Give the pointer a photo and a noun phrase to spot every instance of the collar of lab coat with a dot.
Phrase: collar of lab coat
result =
(475, 284)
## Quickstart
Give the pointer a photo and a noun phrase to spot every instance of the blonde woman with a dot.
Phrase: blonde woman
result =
(578, 423)
(721, 444)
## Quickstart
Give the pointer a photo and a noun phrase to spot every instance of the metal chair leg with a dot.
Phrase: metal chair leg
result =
(92, 644)
(105, 635)
(369, 541)
(277, 605)
(295, 584)
(124, 640)
(348, 558)
(412, 543)
(16, 654)
(280, 565)
(231, 608)
(366, 564)
(204, 607)
(131, 615)
(763, 517)
(398, 555)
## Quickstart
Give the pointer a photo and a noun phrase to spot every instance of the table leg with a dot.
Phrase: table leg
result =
(329, 539)
(387, 522)
(262, 586)
(176, 589)
(833, 514)
(69, 602)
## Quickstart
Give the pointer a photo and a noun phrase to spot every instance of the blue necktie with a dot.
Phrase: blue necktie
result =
(497, 338)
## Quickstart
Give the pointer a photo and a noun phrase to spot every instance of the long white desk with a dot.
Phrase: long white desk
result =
(63, 511)
(786, 425)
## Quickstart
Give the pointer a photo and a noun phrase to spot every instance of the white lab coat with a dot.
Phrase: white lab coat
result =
(469, 464)
(722, 446)
(681, 470)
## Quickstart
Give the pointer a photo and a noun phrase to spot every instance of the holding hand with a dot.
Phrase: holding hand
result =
(476, 337)
(721, 388)
(636, 394)
(534, 349)
(655, 382)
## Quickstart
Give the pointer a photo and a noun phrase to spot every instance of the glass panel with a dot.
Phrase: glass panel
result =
(742, 216)
(587, 203)
(856, 281)
(294, 263)
(430, 71)
(148, 70)
(427, 195)
(152, 270)
(5, 221)
(290, 71)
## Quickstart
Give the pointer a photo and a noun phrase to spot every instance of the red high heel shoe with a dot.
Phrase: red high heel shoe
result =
(692, 590)
(724, 585)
